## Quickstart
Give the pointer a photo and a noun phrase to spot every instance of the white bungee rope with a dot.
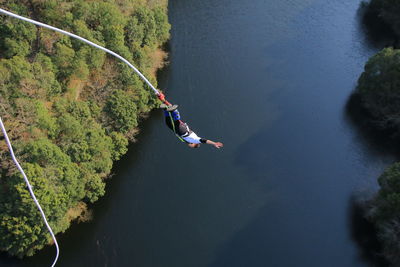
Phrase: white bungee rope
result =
(30, 190)
(5, 12)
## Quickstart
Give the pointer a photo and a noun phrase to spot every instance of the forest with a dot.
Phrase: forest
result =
(70, 109)
(378, 91)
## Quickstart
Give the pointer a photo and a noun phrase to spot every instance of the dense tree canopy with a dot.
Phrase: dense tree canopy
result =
(388, 11)
(69, 108)
(385, 212)
(379, 89)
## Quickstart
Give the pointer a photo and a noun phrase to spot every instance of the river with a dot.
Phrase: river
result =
(271, 80)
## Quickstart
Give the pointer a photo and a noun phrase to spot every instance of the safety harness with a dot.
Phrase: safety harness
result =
(174, 129)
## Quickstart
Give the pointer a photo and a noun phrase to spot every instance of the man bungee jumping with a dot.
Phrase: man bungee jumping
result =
(181, 129)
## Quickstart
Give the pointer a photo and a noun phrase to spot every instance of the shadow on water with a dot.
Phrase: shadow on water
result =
(253, 248)
(379, 142)
(363, 232)
(7, 260)
(248, 247)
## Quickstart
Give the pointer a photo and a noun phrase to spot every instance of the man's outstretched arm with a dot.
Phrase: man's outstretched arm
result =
(215, 144)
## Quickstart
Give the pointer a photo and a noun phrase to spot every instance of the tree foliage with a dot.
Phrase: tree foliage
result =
(379, 89)
(123, 110)
(71, 109)
(389, 12)
(385, 212)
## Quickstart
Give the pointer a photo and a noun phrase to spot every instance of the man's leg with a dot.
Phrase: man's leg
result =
(172, 119)
(174, 115)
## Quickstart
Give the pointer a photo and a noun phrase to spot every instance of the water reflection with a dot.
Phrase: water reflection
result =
(380, 143)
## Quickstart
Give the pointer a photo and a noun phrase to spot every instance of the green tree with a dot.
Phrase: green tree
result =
(44, 72)
(146, 18)
(385, 212)
(379, 89)
(122, 109)
(134, 32)
(389, 11)
(120, 145)
(94, 184)
(162, 25)
(64, 58)
(17, 75)
(389, 193)
(16, 37)
(15, 47)
(45, 121)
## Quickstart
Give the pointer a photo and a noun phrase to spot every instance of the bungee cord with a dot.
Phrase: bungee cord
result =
(30, 190)
(158, 94)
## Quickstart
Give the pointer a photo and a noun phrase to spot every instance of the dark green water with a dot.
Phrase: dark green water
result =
(271, 80)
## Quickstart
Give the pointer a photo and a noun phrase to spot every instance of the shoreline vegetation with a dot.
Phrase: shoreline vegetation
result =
(377, 96)
(70, 109)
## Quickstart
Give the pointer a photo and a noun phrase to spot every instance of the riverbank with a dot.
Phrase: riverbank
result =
(70, 109)
(374, 107)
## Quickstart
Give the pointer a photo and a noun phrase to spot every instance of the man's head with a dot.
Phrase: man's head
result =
(194, 145)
